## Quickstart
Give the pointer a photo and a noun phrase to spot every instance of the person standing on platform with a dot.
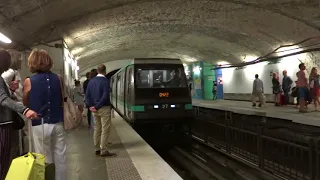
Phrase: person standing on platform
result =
(276, 89)
(93, 73)
(314, 84)
(98, 99)
(7, 107)
(13, 80)
(44, 92)
(214, 90)
(257, 91)
(303, 87)
(286, 86)
(85, 85)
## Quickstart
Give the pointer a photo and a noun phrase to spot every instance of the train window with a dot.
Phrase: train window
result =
(129, 81)
(119, 87)
(122, 86)
(161, 78)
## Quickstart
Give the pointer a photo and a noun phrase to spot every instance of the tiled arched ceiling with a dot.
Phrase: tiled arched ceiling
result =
(98, 31)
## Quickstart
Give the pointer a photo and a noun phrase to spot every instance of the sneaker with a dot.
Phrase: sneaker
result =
(254, 105)
(97, 153)
(107, 154)
(259, 105)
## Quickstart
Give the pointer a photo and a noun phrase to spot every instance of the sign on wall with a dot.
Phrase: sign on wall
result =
(220, 80)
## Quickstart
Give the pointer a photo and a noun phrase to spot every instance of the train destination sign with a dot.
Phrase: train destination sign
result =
(164, 94)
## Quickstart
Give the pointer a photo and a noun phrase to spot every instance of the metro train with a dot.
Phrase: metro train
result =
(153, 96)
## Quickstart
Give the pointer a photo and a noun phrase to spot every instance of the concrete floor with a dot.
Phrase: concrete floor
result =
(135, 159)
(82, 164)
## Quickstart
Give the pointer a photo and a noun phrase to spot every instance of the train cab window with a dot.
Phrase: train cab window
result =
(161, 78)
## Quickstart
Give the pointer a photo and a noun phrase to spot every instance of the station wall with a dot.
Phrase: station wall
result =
(55, 53)
(237, 83)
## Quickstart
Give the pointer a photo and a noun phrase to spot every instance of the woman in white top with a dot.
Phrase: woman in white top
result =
(78, 95)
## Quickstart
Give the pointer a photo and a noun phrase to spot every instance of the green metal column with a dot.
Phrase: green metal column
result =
(208, 78)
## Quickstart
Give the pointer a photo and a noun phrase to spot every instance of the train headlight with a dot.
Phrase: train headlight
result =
(156, 106)
(172, 106)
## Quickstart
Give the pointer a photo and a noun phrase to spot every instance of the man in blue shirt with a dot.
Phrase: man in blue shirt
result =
(98, 100)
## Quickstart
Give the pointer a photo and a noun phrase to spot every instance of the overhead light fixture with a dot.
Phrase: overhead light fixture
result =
(249, 58)
(223, 63)
(4, 38)
(289, 50)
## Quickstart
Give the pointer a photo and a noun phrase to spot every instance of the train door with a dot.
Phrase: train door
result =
(114, 91)
(128, 91)
(111, 91)
(118, 84)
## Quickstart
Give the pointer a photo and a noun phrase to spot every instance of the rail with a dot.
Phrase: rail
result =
(289, 152)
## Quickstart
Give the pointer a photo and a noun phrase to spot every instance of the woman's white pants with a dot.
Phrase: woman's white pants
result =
(54, 146)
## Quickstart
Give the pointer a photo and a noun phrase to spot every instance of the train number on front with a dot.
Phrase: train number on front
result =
(165, 94)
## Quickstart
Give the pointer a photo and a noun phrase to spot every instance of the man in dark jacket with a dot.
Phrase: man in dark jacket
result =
(85, 85)
(286, 86)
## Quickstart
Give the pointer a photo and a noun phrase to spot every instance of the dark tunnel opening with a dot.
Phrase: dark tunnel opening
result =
(110, 74)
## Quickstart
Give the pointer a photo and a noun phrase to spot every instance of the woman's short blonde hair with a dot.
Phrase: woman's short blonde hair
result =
(39, 61)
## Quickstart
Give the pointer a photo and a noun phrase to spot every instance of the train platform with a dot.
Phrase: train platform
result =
(289, 113)
(135, 159)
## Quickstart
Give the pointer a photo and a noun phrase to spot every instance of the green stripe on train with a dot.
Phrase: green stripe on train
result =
(188, 106)
(133, 108)
(140, 108)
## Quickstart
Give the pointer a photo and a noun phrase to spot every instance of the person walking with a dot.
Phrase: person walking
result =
(257, 91)
(98, 99)
(304, 88)
(77, 95)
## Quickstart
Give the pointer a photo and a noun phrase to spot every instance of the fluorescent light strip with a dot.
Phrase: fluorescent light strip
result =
(4, 38)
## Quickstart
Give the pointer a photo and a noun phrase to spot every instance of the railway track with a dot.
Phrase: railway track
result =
(204, 163)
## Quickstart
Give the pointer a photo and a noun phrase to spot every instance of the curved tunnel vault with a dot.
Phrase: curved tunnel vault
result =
(102, 31)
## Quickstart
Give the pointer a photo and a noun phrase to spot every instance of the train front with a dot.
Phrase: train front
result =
(163, 91)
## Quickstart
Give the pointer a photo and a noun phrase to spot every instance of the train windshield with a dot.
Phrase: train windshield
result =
(161, 78)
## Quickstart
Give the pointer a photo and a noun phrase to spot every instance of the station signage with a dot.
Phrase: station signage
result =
(164, 94)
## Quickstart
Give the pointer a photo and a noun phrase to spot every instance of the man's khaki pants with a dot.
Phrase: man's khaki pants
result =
(102, 126)
(259, 95)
